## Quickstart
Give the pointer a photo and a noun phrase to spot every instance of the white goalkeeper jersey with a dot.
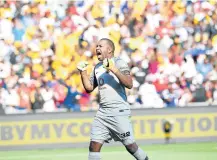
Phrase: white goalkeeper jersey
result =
(112, 94)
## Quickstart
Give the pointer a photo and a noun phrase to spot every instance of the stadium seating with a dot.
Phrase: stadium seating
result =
(170, 47)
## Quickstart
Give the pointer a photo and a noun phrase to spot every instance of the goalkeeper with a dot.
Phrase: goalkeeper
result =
(112, 120)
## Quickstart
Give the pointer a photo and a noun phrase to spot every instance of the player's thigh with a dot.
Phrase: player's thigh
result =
(99, 131)
(122, 130)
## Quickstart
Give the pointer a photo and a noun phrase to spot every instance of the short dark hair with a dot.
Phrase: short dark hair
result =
(112, 45)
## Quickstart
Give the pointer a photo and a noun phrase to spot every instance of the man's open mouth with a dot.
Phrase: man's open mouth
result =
(98, 52)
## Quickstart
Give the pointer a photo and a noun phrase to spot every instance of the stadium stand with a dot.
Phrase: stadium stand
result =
(170, 46)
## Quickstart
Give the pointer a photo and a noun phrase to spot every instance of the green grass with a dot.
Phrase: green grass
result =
(183, 151)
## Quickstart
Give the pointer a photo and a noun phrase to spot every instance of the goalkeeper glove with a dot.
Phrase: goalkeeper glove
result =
(82, 66)
(109, 64)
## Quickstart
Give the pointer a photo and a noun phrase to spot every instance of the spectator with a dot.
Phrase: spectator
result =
(153, 64)
(59, 94)
(148, 93)
(11, 99)
(203, 66)
(199, 92)
(5, 69)
(185, 98)
(211, 88)
(24, 96)
(48, 97)
(169, 97)
(18, 30)
(72, 97)
(37, 99)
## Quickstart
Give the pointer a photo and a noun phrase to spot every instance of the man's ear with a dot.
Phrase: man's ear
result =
(109, 50)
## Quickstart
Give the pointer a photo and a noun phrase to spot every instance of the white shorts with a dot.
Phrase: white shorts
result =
(118, 128)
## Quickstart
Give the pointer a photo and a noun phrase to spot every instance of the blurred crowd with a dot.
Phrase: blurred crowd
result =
(170, 47)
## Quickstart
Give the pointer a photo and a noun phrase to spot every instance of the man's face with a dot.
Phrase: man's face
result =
(102, 50)
(170, 87)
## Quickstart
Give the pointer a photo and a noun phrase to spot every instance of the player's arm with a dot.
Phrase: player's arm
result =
(124, 77)
(89, 83)
(122, 72)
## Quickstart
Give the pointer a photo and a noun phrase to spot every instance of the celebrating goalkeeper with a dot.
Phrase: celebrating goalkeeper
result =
(112, 120)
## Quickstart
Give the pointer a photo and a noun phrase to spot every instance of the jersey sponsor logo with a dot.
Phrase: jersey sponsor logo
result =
(101, 88)
(101, 81)
(123, 135)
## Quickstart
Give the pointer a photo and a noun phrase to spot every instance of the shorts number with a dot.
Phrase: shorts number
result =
(123, 135)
